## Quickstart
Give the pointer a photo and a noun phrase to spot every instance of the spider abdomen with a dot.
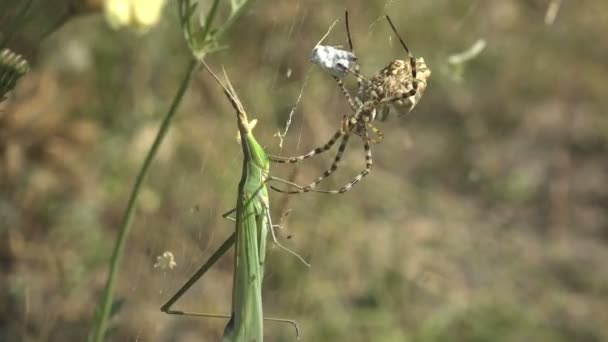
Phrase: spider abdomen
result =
(395, 85)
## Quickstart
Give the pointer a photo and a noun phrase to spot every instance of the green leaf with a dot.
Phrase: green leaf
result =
(236, 5)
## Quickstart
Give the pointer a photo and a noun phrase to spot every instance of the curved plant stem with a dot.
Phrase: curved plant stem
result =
(103, 312)
(125, 224)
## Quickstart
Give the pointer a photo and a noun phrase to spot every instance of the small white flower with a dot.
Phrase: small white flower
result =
(165, 261)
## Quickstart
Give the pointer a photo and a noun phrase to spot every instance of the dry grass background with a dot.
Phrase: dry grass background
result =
(484, 219)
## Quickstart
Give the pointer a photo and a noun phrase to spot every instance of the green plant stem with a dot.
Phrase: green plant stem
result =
(125, 224)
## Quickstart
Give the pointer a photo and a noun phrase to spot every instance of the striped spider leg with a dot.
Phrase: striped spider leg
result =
(349, 125)
(399, 85)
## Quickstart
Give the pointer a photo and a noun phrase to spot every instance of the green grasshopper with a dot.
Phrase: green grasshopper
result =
(253, 222)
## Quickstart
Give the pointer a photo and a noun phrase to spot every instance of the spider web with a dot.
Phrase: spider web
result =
(487, 201)
(304, 105)
(205, 187)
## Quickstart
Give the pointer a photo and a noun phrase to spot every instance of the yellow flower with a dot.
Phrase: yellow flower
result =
(138, 14)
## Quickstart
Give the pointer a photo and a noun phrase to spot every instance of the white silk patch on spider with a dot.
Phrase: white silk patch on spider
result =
(333, 60)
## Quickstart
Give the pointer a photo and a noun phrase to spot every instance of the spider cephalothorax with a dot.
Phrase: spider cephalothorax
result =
(399, 85)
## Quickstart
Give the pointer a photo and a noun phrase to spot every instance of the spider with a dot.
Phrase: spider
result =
(399, 85)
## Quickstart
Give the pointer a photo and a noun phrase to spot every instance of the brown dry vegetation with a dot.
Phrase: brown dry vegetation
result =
(484, 218)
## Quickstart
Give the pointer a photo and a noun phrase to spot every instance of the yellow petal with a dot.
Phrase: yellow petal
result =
(117, 12)
(147, 12)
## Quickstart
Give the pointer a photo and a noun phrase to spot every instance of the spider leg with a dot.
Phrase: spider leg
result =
(377, 132)
(413, 68)
(355, 72)
(362, 131)
(409, 54)
(314, 152)
(363, 173)
(327, 173)
(360, 78)
(354, 103)
(413, 96)
(402, 96)
(350, 41)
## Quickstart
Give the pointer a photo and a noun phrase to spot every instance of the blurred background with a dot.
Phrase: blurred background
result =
(485, 217)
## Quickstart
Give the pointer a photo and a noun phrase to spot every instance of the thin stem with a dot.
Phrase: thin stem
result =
(209, 18)
(125, 224)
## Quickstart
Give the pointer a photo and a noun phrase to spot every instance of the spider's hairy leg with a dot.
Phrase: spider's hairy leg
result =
(327, 173)
(363, 173)
(314, 152)
(362, 132)
(351, 101)
(405, 95)
(356, 71)
(413, 67)
(377, 132)
(350, 41)
(409, 54)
